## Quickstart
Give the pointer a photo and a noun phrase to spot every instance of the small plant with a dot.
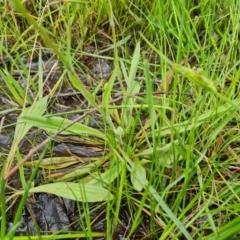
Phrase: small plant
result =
(154, 90)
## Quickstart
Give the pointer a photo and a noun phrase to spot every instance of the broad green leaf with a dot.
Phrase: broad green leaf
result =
(161, 150)
(138, 186)
(108, 176)
(54, 124)
(118, 132)
(36, 110)
(75, 191)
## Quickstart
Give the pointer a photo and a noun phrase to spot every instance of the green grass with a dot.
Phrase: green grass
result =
(170, 130)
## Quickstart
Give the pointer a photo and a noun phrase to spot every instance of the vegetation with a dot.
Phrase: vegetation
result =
(166, 117)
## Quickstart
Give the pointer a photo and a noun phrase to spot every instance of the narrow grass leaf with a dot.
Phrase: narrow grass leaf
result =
(226, 231)
(152, 191)
(132, 85)
(5, 112)
(151, 109)
(40, 75)
(82, 170)
(54, 162)
(107, 96)
(188, 125)
(11, 84)
(76, 82)
(196, 77)
(134, 65)
(56, 236)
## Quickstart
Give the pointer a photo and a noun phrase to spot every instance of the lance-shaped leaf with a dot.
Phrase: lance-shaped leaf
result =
(75, 191)
(54, 124)
(36, 110)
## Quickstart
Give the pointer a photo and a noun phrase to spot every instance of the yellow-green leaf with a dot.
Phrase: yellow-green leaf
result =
(138, 186)
(75, 191)
(54, 124)
(54, 162)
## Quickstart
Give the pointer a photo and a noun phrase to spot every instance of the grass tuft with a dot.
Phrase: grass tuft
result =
(154, 94)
